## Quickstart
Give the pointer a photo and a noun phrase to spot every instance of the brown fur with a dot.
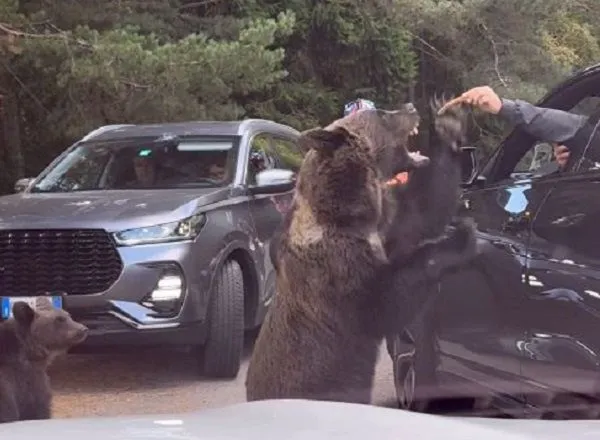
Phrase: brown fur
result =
(425, 206)
(321, 336)
(422, 231)
(386, 135)
(28, 344)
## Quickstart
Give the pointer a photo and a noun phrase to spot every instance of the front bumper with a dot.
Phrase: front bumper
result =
(108, 331)
(125, 314)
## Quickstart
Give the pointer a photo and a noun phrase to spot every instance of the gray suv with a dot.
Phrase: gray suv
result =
(155, 234)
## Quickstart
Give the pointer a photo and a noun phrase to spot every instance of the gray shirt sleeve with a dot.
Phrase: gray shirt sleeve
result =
(544, 124)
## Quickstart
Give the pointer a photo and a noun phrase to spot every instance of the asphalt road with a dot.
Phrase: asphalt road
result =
(157, 382)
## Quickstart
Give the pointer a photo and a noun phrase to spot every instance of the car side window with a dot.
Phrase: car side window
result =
(590, 157)
(261, 156)
(288, 153)
(539, 160)
(539, 155)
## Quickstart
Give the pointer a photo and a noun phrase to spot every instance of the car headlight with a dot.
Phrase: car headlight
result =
(186, 229)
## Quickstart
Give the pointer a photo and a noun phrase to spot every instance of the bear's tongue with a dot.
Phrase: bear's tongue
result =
(398, 179)
(418, 161)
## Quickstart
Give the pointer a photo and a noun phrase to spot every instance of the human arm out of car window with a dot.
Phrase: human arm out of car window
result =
(573, 135)
(556, 126)
(545, 124)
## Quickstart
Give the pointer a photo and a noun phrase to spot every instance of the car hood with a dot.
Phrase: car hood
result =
(110, 210)
(299, 419)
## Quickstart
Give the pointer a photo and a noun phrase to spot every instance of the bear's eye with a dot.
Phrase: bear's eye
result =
(60, 320)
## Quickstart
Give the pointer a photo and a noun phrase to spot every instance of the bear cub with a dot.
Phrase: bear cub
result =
(29, 341)
(318, 340)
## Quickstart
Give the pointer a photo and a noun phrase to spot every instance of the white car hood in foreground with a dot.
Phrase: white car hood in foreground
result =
(299, 419)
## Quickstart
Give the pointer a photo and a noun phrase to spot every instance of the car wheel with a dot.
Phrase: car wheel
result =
(414, 373)
(222, 352)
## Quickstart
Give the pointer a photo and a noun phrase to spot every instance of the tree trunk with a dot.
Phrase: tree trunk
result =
(4, 156)
(11, 131)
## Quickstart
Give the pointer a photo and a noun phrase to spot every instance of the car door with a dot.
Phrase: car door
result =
(279, 152)
(262, 211)
(478, 313)
(562, 303)
(484, 329)
(288, 156)
(562, 309)
(270, 150)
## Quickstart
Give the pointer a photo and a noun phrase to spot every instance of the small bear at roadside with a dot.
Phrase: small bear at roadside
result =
(29, 342)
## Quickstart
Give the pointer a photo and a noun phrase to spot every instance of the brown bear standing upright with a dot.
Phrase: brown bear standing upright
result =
(426, 204)
(423, 231)
(28, 343)
(320, 339)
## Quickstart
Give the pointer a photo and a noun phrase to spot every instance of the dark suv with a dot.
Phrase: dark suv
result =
(155, 234)
(519, 329)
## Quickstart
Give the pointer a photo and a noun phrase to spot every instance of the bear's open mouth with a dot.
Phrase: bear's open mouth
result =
(402, 176)
(415, 160)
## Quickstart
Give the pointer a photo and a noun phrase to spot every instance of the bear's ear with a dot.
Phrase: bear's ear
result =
(23, 314)
(322, 139)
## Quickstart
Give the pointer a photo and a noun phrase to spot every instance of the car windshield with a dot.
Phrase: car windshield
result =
(142, 164)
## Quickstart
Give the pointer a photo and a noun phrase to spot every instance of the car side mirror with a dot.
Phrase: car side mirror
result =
(22, 184)
(274, 180)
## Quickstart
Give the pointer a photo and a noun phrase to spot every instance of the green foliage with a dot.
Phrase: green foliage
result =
(85, 78)
(9, 9)
(123, 75)
(569, 42)
(76, 64)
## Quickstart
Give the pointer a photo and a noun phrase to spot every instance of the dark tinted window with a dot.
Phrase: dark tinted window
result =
(261, 156)
(139, 164)
(539, 160)
(591, 145)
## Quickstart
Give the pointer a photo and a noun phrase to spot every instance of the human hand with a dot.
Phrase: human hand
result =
(561, 154)
(482, 97)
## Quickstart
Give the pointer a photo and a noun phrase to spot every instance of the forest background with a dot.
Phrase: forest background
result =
(69, 66)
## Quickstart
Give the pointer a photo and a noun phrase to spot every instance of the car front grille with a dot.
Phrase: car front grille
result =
(73, 261)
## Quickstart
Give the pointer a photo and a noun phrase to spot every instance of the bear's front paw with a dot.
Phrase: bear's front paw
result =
(450, 126)
(417, 160)
(464, 232)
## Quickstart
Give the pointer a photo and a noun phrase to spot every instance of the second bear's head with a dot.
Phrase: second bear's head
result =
(347, 162)
(45, 331)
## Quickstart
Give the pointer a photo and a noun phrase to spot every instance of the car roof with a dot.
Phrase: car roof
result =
(190, 128)
(575, 77)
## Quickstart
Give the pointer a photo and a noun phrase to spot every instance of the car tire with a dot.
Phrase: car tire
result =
(415, 379)
(224, 346)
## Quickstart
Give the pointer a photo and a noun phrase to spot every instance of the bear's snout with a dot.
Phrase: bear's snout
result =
(80, 333)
